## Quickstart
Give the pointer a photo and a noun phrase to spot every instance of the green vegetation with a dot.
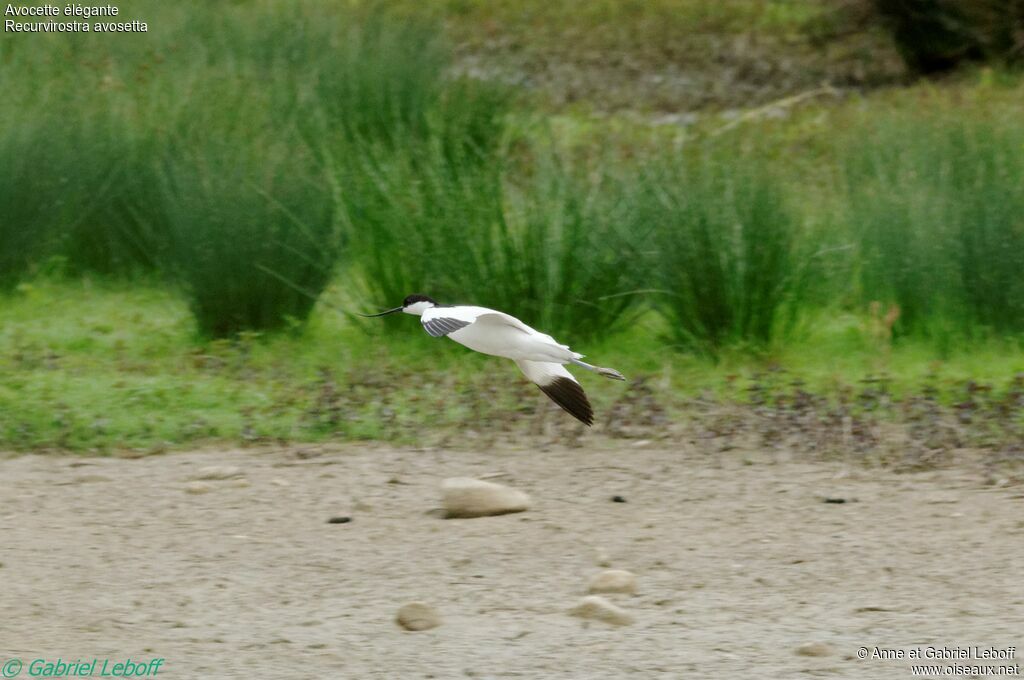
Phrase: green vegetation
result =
(243, 161)
(539, 241)
(96, 366)
(725, 256)
(204, 150)
(937, 208)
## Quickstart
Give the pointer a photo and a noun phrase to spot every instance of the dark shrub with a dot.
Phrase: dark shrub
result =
(938, 35)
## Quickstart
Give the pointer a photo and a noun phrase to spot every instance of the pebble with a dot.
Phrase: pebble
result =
(90, 479)
(418, 616)
(196, 488)
(339, 520)
(218, 472)
(598, 608)
(467, 497)
(814, 649)
(612, 581)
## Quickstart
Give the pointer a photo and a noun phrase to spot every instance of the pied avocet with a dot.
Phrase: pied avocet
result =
(487, 331)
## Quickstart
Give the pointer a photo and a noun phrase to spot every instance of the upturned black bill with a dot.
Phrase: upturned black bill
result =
(390, 311)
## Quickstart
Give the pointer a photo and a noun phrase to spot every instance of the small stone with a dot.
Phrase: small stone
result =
(467, 497)
(218, 472)
(339, 520)
(612, 581)
(618, 499)
(602, 558)
(418, 616)
(90, 479)
(196, 488)
(814, 649)
(597, 608)
(277, 481)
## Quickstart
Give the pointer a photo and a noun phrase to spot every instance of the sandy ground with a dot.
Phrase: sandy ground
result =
(740, 561)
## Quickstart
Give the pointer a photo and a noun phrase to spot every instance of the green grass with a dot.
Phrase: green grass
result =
(203, 150)
(31, 205)
(92, 366)
(724, 256)
(253, 237)
(528, 235)
(224, 171)
(937, 209)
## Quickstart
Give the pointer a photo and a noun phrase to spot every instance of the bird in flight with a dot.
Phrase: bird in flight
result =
(540, 357)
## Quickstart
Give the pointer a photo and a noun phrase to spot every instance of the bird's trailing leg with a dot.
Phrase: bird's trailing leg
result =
(606, 372)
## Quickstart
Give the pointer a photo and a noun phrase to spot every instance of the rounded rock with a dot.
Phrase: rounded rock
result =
(597, 608)
(814, 649)
(467, 497)
(612, 581)
(197, 488)
(418, 616)
(216, 472)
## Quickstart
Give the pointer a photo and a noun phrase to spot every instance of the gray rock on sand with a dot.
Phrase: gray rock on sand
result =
(612, 581)
(467, 497)
(199, 487)
(196, 488)
(418, 616)
(90, 479)
(597, 608)
(217, 472)
(814, 649)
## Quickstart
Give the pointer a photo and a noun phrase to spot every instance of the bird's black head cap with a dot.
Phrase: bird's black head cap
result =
(416, 297)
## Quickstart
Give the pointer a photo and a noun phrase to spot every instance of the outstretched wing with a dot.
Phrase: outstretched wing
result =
(441, 321)
(442, 326)
(561, 387)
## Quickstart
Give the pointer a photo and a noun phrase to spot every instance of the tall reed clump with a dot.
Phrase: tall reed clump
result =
(118, 228)
(725, 258)
(104, 93)
(207, 143)
(37, 193)
(937, 211)
(471, 224)
(382, 80)
(253, 235)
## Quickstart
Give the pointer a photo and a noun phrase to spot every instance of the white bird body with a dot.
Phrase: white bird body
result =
(491, 332)
(539, 356)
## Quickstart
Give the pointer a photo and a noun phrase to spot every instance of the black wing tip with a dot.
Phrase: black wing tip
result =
(570, 396)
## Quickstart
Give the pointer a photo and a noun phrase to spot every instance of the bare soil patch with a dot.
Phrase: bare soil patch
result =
(744, 561)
